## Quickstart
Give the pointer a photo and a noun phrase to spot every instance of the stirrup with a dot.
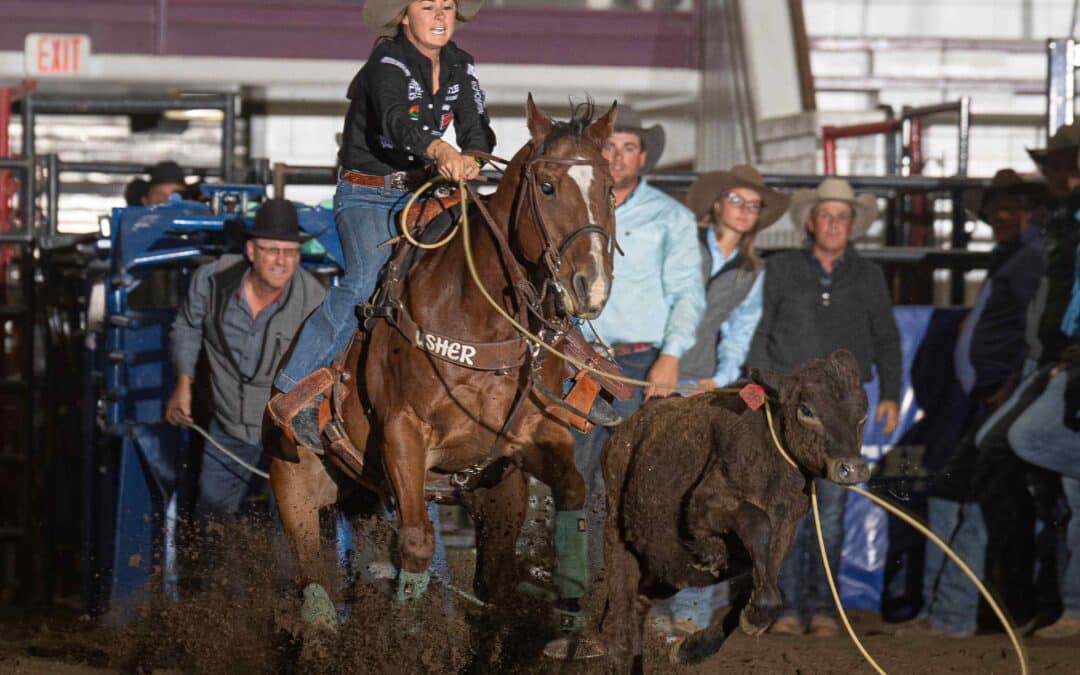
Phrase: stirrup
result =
(285, 409)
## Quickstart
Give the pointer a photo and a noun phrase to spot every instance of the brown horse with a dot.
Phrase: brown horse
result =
(420, 412)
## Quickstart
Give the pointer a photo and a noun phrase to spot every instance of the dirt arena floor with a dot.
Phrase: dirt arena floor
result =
(244, 621)
(53, 643)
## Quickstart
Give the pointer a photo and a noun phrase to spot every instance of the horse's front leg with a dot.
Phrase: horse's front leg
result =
(497, 513)
(301, 489)
(551, 460)
(405, 457)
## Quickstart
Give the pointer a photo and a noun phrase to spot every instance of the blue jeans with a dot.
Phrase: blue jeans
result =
(223, 483)
(1070, 574)
(1039, 435)
(992, 435)
(950, 599)
(587, 454)
(365, 218)
(802, 577)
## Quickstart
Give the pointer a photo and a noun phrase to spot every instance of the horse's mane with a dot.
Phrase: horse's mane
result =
(581, 116)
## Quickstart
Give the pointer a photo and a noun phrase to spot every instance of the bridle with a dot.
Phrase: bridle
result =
(552, 254)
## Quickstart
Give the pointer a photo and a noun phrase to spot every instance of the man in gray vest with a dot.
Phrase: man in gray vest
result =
(244, 311)
(818, 299)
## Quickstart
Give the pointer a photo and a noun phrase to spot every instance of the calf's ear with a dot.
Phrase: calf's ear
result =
(770, 380)
(847, 367)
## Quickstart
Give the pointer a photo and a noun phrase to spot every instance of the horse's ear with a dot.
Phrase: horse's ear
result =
(600, 130)
(539, 124)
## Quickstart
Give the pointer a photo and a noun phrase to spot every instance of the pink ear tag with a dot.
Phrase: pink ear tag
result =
(753, 395)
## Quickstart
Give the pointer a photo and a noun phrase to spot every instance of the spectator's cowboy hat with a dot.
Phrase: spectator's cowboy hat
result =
(167, 172)
(275, 219)
(1005, 181)
(383, 17)
(628, 120)
(835, 190)
(1065, 140)
(714, 185)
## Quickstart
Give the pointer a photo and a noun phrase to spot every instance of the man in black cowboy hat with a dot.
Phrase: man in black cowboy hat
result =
(166, 179)
(988, 353)
(243, 311)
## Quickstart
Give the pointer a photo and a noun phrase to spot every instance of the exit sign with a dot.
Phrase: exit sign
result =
(57, 54)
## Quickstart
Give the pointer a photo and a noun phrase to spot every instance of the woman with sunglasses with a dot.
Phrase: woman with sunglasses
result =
(731, 208)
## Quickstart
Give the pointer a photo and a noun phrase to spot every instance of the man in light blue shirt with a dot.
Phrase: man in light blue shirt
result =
(656, 299)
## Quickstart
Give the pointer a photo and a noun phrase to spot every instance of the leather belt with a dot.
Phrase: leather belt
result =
(627, 348)
(405, 181)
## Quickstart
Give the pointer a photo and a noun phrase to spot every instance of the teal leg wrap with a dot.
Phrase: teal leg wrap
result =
(571, 554)
(317, 607)
(411, 586)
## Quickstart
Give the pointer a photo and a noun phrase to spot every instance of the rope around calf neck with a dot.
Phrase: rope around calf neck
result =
(910, 520)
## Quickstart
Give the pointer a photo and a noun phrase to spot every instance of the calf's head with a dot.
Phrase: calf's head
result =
(821, 411)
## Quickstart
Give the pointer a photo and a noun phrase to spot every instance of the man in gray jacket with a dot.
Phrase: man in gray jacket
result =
(243, 311)
(816, 300)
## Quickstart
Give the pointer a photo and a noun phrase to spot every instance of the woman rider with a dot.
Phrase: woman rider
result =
(415, 83)
(731, 208)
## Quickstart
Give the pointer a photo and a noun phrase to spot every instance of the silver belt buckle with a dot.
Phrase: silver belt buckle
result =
(397, 181)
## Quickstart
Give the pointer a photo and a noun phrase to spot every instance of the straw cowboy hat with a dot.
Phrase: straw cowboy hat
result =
(835, 190)
(1066, 138)
(383, 16)
(1005, 181)
(628, 120)
(713, 185)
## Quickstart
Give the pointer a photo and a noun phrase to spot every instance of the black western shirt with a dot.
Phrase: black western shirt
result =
(393, 116)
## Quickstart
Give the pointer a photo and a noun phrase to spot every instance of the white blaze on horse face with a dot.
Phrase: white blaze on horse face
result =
(583, 175)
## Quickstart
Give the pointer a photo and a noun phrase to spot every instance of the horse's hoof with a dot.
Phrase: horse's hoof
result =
(673, 650)
(749, 625)
(574, 648)
(411, 586)
(317, 609)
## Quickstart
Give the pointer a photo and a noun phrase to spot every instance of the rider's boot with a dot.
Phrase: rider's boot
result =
(296, 412)
(570, 574)
(604, 413)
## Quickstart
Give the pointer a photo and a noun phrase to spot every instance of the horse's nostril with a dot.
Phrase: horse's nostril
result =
(844, 470)
(581, 286)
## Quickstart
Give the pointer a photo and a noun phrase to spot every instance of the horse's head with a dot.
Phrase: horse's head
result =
(565, 210)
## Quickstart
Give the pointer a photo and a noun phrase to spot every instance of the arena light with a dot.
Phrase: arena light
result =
(200, 114)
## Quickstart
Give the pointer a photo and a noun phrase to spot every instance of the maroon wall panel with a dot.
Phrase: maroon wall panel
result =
(333, 29)
(116, 26)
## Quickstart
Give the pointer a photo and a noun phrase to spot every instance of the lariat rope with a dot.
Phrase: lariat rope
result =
(896, 511)
(910, 520)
